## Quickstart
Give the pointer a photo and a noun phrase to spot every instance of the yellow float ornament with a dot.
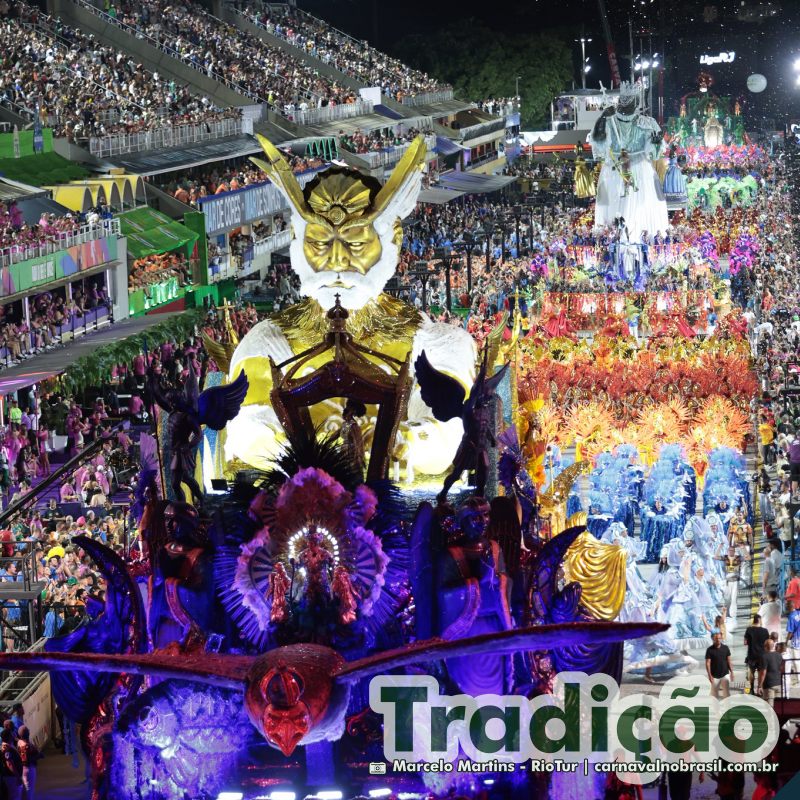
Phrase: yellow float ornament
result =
(600, 569)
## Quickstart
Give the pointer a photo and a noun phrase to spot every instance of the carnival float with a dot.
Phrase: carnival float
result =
(539, 470)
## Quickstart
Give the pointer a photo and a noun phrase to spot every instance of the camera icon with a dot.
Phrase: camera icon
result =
(377, 768)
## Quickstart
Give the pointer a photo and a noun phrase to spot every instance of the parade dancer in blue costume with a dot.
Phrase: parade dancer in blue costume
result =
(600, 513)
(724, 505)
(675, 183)
(631, 483)
(727, 485)
(672, 455)
(662, 516)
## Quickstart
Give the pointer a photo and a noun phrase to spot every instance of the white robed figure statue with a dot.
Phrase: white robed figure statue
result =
(627, 141)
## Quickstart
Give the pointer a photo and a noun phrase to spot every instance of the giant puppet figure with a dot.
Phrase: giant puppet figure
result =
(346, 237)
(629, 192)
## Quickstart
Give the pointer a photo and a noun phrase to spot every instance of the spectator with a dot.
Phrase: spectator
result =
(770, 673)
(755, 638)
(793, 588)
(719, 667)
(773, 560)
(89, 89)
(10, 766)
(29, 755)
(770, 613)
(17, 717)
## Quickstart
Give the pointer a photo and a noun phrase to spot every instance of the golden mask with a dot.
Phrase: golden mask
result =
(344, 211)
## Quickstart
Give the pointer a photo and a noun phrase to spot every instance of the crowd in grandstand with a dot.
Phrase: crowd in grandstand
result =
(19, 241)
(94, 499)
(357, 59)
(50, 314)
(195, 184)
(380, 139)
(559, 171)
(499, 106)
(159, 268)
(82, 88)
(241, 59)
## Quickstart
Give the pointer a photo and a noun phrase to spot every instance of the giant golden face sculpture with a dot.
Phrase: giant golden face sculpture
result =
(346, 231)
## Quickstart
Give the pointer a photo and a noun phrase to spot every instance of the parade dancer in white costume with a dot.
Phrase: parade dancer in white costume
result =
(658, 654)
(627, 141)
(706, 553)
(637, 593)
(690, 608)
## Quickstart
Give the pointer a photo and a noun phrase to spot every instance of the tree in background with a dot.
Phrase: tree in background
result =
(481, 63)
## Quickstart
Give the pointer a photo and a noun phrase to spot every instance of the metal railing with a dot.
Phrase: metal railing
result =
(391, 155)
(498, 109)
(163, 138)
(13, 254)
(316, 116)
(16, 689)
(276, 241)
(25, 561)
(428, 98)
(17, 107)
(481, 129)
(232, 265)
(171, 51)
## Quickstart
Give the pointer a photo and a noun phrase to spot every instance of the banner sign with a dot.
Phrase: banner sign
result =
(25, 143)
(38, 136)
(230, 210)
(43, 270)
(37, 714)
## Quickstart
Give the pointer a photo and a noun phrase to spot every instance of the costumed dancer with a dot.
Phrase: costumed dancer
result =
(704, 548)
(724, 506)
(674, 182)
(583, 184)
(659, 654)
(638, 594)
(631, 482)
(727, 486)
(719, 544)
(600, 514)
(740, 535)
(686, 602)
(663, 514)
(351, 435)
(672, 455)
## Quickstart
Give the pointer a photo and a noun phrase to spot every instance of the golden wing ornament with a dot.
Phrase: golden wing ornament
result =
(495, 338)
(221, 353)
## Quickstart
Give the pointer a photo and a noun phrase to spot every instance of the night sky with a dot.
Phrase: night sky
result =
(398, 19)
(770, 47)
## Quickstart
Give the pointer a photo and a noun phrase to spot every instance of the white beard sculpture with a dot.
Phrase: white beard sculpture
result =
(346, 239)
